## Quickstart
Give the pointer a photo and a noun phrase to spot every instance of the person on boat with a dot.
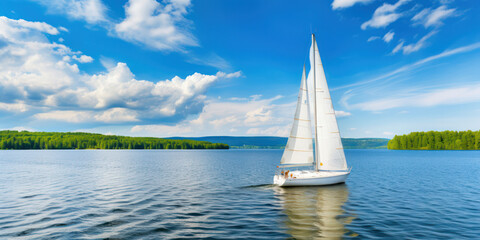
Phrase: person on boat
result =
(286, 173)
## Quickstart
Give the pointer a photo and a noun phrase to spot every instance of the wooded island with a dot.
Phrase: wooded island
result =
(432, 140)
(78, 140)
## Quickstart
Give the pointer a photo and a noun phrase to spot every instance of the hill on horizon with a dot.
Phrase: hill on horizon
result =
(270, 142)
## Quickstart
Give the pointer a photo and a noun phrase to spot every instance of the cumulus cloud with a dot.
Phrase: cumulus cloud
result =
(254, 116)
(117, 115)
(388, 36)
(65, 116)
(251, 116)
(12, 26)
(118, 87)
(114, 115)
(18, 106)
(155, 25)
(428, 17)
(31, 67)
(339, 4)
(38, 75)
(384, 15)
(91, 11)
(413, 47)
(83, 58)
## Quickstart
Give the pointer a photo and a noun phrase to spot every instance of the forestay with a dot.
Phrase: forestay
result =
(330, 154)
(299, 148)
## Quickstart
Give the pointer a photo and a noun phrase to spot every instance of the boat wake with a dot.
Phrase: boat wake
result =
(260, 186)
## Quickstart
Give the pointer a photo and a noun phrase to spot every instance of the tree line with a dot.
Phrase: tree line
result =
(78, 140)
(433, 140)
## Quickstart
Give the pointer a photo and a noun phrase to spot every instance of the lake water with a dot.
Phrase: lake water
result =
(226, 194)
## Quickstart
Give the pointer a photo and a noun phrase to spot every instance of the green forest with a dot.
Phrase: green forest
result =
(432, 140)
(78, 140)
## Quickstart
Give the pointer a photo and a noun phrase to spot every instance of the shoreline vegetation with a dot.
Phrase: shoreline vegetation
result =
(14, 140)
(433, 140)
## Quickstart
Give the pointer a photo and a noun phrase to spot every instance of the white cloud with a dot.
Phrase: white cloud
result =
(413, 47)
(388, 133)
(119, 88)
(113, 115)
(83, 58)
(19, 106)
(280, 131)
(254, 116)
(258, 116)
(65, 116)
(388, 36)
(341, 114)
(445, 96)
(30, 66)
(338, 4)
(373, 38)
(210, 60)
(37, 75)
(384, 15)
(117, 115)
(398, 47)
(428, 17)
(421, 15)
(12, 26)
(63, 29)
(92, 11)
(155, 25)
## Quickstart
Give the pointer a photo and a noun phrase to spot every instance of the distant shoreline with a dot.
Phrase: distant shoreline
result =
(270, 142)
(24, 140)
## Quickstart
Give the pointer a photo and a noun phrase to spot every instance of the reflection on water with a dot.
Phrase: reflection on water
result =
(315, 212)
(170, 194)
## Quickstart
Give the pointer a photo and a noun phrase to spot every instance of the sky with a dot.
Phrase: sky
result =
(215, 67)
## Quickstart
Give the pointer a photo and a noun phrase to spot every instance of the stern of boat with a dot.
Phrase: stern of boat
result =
(310, 178)
(278, 180)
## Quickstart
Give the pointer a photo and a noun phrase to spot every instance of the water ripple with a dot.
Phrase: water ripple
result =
(228, 195)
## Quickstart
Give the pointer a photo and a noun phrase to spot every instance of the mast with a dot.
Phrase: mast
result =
(315, 104)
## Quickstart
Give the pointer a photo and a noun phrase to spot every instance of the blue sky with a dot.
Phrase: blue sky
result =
(197, 68)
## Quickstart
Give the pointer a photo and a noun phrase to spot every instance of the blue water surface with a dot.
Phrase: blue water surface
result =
(227, 194)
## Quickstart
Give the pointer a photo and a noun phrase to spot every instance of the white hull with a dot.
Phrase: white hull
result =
(310, 178)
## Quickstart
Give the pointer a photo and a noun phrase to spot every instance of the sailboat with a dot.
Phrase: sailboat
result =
(321, 149)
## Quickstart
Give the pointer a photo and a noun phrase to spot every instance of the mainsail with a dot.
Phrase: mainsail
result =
(299, 148)
(329, 153)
